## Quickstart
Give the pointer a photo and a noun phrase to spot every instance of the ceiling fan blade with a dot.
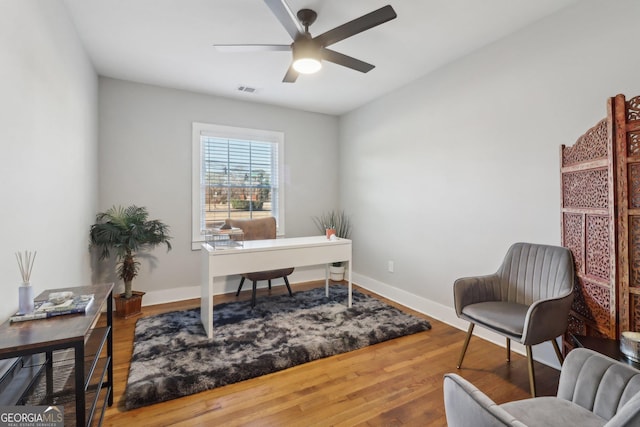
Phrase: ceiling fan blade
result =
(345, 60)
(291, 76)
(287, 18)
(356, 26)
(252, 47)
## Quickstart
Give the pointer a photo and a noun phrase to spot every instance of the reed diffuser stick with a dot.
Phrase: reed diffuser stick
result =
(25, 264)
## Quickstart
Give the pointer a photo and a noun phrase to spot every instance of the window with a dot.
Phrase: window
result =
(236, 174)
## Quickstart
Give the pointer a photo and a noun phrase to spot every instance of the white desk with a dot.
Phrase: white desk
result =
(261, 255)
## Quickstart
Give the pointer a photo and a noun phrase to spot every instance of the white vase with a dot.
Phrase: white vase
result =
(25, 298)
(336, 274)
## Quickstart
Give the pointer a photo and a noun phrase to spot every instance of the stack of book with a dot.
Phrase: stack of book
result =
(58, 304)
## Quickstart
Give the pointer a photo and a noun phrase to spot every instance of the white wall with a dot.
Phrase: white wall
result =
(444, 174)
(145, 159)
(48, 136)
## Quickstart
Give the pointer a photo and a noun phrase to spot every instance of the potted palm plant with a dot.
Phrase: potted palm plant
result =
(127, 231)
(339, 223)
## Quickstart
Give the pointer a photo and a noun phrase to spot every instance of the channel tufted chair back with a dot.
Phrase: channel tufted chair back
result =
(531, 273)
(526, 300)
(594, 391)
(600, 386)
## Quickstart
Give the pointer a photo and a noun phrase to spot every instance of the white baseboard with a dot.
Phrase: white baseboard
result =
(543, 353)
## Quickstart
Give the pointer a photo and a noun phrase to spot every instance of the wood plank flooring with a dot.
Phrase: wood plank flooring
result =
(395, 383)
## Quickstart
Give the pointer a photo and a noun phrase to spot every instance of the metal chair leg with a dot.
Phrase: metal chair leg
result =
(269, 284)
(466, 343)
(558, 352)
(253, 294)
(286, 282)
(240, 287)
(508, 350)
(532, 377)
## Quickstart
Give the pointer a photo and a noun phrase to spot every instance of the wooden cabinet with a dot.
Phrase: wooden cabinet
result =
(600, 206)
(36, 345)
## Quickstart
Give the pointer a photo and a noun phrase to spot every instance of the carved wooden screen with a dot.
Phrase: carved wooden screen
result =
(600, 204)
(626, 119)
(587, 230)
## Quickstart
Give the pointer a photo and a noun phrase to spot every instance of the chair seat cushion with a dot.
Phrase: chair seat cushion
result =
(504, 317)
(268, 275)
(552, 411)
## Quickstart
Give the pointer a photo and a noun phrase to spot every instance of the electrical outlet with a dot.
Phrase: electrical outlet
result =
(390, 266)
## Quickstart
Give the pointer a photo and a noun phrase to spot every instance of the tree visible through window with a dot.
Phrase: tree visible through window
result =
(238, 179)
(236, 175)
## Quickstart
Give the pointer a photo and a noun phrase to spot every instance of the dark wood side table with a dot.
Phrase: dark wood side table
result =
(93, 370)
(608, 347)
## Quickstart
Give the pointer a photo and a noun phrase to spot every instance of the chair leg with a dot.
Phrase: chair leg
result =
(532, 377)
(269, 284)
(240, 287)
(253, 294)
(558, 352)
(466, 343)
(286, 282)
(508, 350)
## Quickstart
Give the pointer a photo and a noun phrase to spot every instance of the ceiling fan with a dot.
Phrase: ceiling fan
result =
(308, 51)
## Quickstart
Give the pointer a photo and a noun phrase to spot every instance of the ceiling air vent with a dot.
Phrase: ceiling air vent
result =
(247, 89)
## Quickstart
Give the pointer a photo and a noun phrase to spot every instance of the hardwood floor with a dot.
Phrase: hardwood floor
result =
(395, 383)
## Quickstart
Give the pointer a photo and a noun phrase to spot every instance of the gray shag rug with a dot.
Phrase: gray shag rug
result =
(172, 356)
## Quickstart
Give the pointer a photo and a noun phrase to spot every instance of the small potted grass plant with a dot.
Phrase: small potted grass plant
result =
(127, 231)
(339, 221)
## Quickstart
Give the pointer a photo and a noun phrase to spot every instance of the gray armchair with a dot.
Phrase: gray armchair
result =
(594, 390)
(527, 300)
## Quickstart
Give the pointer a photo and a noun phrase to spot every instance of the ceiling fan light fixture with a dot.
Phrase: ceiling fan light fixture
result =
(307, 65)
(308, 51)
(306, 57)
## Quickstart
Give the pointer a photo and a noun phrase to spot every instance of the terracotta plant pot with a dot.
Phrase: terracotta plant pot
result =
(128, 307)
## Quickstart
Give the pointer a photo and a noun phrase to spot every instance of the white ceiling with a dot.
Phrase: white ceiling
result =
(169, 43)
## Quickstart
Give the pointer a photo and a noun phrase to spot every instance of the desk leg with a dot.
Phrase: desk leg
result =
(326, 280)
(79, 384)
(350, 286)
(49, 375)
(206, 294)
(110, 346)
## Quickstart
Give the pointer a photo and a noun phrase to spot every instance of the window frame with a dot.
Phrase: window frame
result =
(230, 132)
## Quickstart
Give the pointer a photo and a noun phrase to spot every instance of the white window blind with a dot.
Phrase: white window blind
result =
(238, 174)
